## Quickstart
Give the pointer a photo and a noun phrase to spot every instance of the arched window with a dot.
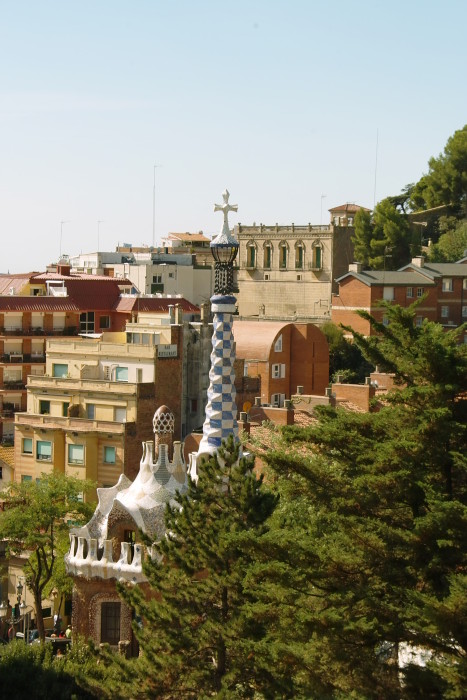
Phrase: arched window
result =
(283, 255)
(317, 257)
(251, 255)
(299, 255)
(267, 255)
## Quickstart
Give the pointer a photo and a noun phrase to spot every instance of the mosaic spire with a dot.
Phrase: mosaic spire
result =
(221, 409)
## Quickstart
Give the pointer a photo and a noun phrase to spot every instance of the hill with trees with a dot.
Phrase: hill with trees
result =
(434, 208)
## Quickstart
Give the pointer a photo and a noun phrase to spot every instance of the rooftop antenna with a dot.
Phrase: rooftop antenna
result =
(98, 231)
(61, 234)
(323, 196)
(376, 168)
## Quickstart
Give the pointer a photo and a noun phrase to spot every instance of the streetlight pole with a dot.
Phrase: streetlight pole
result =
(98, 231)
(61, 235)
(154, 206)
(323, 196)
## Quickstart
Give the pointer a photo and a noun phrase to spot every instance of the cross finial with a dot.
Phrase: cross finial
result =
(225, 208)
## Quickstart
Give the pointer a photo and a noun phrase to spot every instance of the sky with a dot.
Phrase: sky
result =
(294, 106)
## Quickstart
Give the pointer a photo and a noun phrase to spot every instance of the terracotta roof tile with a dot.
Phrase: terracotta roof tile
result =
(351, 208)
(156, 304)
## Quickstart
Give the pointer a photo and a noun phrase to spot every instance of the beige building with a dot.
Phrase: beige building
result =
(289, 272)
(84, 415)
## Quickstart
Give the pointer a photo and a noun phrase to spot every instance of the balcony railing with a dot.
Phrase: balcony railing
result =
(9, 330)
(13, 384)
(21, 358)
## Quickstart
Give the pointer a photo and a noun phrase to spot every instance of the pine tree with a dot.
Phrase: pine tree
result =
(197, 636)
(365, 555)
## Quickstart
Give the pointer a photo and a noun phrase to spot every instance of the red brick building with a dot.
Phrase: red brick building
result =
(443, 287)
(282, 356)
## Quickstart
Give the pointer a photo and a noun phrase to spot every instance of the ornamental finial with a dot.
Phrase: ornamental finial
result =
(225, 208)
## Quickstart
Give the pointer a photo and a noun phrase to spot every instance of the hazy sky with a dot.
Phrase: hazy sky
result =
(280, 101)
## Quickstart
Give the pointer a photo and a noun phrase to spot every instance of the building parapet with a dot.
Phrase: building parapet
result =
(82, 347)
(36, 420)
(84, 559)
(39, 382)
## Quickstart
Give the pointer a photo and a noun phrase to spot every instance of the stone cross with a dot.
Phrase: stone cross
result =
(225, 208)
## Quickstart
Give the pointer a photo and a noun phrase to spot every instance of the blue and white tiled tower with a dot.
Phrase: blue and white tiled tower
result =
(221, 409)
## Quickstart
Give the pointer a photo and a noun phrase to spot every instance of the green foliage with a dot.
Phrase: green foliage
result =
(366, 551)
(446, 180)
(34, 522)
(383, 240)
(345, 358)
(31, 672)
(197, 636)
(451, 245)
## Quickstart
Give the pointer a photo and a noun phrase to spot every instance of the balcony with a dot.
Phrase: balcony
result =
(79, 425)
(16, 331)
(10, 384)
(22, 358)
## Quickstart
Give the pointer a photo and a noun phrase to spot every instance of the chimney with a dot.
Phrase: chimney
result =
(63, 268)
(419, 261)
(355, 267)
(171, 313)
(179, 314)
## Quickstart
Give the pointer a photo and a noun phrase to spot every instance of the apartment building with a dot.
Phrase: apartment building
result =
(40, 306)
(178, 268)
(87, 415)
(442, 287)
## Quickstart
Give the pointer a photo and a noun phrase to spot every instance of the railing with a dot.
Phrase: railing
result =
(21, 358)
(69, 330)
(16, 384)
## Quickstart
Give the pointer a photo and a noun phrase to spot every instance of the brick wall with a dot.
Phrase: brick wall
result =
(358, 394)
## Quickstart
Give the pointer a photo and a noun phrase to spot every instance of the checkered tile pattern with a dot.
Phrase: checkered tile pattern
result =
(221, 410)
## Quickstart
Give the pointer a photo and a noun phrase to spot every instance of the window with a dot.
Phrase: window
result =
(121, 374)
(267, 256)
(1, 472)
(120, 415)
(90, 411)
(447, 284)
(420, 292)
(278, 371)
(388, 293)
(26, 446)
(193, 405)
(283, 256)
(278, 344)
(464, 283)
(110, 623)
(44, 450)
(385, 321)
(65, 407)
(317, 258)
(445, 312)
(277, 400)
(86, 322)
(418, 321)
(44, 407)
(59, 370)
(109, 454)
(139, 375)
(251, 255)
(464, 312)
(104, 322)
(410, 292)
(299, 256)
(157, 285)
(75, 454)
(26, 477)
(157, 279)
